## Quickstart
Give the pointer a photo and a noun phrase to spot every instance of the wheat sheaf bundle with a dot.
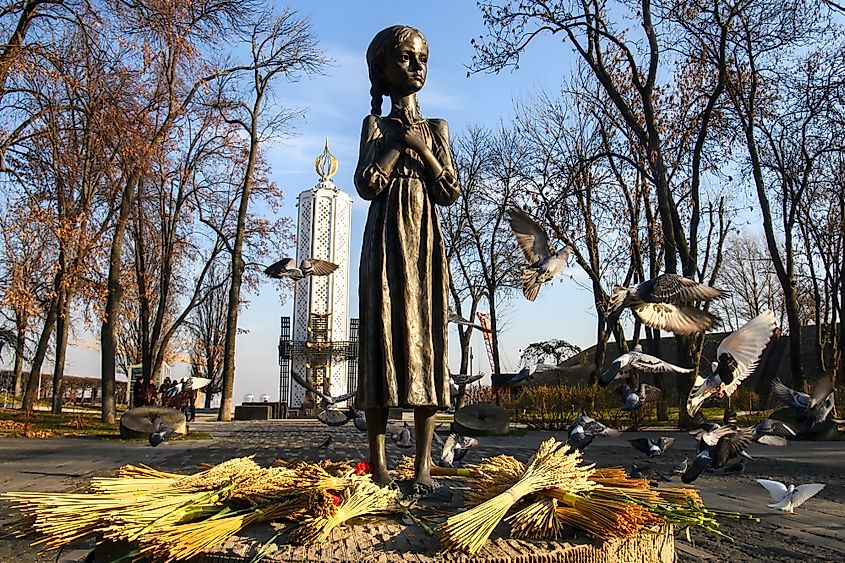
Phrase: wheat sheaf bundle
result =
(363, 497)
(554, 466)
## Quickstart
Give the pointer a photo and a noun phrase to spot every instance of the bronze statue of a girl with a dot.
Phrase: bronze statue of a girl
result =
(404, 169)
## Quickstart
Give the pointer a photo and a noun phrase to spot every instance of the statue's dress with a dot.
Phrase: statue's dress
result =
(403, 284)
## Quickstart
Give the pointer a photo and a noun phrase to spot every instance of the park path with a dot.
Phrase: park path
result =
(816, 532)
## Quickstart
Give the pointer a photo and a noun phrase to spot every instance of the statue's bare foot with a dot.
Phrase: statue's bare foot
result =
(424, 486)
(433, 492)
(381, 476)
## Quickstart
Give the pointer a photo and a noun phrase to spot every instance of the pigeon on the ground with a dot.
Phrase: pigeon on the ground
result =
(360, 421)
(161, 432)
(635, 397)
(403, 439)
(736, 358)
(544, 263)
(729, 443)
(455, 448)
(459, 320)
(814, 408)
(638, 473)
(681, 468)
(286, 268)
(622, 366)
(528, 372)
(789, 498)
(652, 447)
(465, 379)
(328, 400)
(663, 303)
(326, 443)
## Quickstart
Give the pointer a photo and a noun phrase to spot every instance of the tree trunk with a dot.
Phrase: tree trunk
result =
(228, 387)
(32, 384)
(108, 339)
(20, 342)
(62, 326)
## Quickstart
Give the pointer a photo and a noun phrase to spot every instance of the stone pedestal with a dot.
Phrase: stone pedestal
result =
(389, 542)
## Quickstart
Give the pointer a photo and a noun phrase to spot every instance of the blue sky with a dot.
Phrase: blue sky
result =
(335, 106)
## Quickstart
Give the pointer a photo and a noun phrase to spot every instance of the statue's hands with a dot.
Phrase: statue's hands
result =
(413, 141)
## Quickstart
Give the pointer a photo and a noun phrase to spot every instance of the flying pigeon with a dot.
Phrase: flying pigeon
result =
(663, 303)
(736, 358)
(772, 432)
(544, 263)
(652, 447)
(286, 268)
(635, 397)
(162, 432)
(621, 367)
(528, 371)
(681, 468)
(455, 448)
(789, 498)
(328, 400)
(578, 438)
(459, 320)
(465, 379)
(403, 439)
(331, 416)
(729, 443)
(813, 408)
(584, 429)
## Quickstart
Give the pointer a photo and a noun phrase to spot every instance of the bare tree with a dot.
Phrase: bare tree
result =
(207, 328)
(778, 132)
(281, 47)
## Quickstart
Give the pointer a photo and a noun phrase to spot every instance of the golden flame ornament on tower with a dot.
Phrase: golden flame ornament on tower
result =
(326, 164)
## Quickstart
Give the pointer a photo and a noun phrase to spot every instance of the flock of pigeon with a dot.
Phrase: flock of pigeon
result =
(668, 302)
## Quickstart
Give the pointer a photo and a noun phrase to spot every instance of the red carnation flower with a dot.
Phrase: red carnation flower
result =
(362, 467)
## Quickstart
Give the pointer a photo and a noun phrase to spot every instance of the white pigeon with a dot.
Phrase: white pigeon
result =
(455, 449)
(664, 303)
(789, 498)
(622, 366)
(286, 268)
(736, 358)
(544, 263)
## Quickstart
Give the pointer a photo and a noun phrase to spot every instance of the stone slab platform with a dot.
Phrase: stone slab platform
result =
(386, 542)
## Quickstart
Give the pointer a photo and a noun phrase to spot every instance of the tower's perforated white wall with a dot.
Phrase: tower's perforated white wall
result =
(323, 231)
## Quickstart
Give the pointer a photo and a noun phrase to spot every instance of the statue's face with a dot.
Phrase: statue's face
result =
(405, 67)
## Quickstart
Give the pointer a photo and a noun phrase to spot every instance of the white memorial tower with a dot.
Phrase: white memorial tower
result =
(320, 333)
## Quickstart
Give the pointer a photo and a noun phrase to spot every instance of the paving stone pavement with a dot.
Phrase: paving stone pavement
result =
(61, 464)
